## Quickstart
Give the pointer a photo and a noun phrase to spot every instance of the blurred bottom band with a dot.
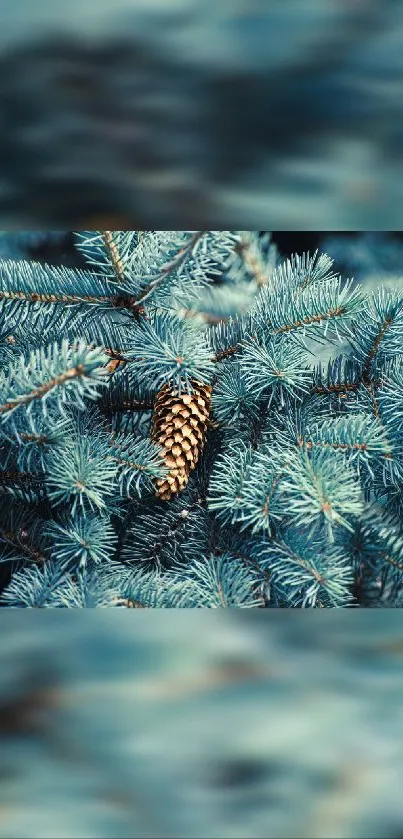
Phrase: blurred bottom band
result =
(201, 724)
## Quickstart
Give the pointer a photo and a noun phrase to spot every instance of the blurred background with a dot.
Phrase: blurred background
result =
(195, 724)
(192, 113)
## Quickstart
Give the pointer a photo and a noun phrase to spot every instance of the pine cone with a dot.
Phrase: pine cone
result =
(179, 426)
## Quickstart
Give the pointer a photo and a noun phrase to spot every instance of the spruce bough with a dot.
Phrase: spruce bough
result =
(190, 421)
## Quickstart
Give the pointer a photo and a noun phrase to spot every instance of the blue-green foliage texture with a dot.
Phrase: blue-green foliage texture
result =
(297, 498)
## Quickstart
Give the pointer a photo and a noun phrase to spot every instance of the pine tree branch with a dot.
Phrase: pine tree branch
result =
(220, 356)
(130, 603)
(37, 297)
(346, 447)
(38, 393)
(137, 467)
(117, 360)
(118, 301)
(252, 264)
(250, 562)
(24, 485)
(7, 477)
(366, 377)
(18, 542)
(392, 561)
(311, 319)
(128, 405)
(52, 371)
(40, 439)
(173, 265)
(339, 387)
(374, 349)
(114, 255)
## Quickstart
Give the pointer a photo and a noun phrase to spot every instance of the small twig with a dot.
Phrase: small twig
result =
(38, 393)
(114, 255)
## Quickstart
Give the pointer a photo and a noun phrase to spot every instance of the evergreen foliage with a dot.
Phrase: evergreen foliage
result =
(297, 499)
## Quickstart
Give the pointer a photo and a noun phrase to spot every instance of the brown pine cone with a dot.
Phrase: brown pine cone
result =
(179, 425)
